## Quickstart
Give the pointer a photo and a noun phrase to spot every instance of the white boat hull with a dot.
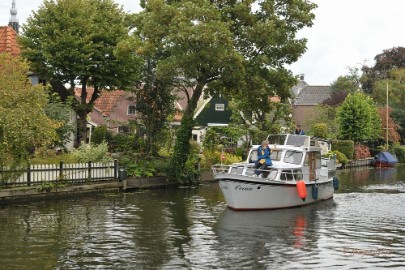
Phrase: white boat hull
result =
(242, 193)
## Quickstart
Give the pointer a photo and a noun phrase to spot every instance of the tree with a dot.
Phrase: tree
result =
(62, 113)
(396, 96)
(343, 85)
(267, 41)
(23, 123)
(320, 130)
(393, 127)
(358, 118)
(224, 47)
(197, 48)
(385, 62)
(396, 87)
(325, 114)
(154, 94)
(74, 42)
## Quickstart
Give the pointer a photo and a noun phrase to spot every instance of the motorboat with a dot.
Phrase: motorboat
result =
(299, 175)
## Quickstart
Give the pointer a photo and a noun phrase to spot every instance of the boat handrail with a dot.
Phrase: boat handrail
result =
(222, 169)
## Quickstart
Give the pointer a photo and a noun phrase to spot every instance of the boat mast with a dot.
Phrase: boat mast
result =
(387, 119)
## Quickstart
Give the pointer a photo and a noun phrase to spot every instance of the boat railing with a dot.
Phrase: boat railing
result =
(269, 174)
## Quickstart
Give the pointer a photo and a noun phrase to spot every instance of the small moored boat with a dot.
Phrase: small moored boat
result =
(298, 176)
(384, 159)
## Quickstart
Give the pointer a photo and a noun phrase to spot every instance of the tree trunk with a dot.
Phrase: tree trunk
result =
(178, 169)
(82, 126)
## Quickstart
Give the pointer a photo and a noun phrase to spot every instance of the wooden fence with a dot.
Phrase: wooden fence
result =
(68, 173)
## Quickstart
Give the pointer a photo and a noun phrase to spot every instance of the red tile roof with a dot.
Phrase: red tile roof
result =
(107, 100)
(8, 41)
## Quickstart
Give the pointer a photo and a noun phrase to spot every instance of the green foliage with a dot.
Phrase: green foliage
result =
(320, 130)
(215, 46)
(61, 112)
(398, 115)
(210, 158)
(225, 136)
(23, 124)
(340, 157)
(141, 169)
(76, 40)
(325, 114)
(49, 156)
(358, 118)
(93, 153)
(344, 146)
(385, 62)
(349, 83)
(399, 152)
(396, 97)
(123, 142)
(139, 165)
(101, 134)
(178, 168)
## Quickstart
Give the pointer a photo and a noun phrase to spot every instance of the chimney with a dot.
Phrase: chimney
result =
(302, 77)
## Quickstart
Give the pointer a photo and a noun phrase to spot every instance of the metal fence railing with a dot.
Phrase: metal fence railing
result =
(67, 173)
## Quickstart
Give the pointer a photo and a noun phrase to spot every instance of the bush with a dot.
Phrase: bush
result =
(101, 134)
(399, 152)
(126, 143)
(346, 147)
(49, 156)
(320, 130)
(93, 153)
(361, 151)
(141, 169)
(210, 158)
(340, 157)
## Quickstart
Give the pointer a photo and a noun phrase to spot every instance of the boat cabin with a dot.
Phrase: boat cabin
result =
(295, 157)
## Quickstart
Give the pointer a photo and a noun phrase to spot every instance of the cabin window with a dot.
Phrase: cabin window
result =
(293, 157)
(220, 107)
(298, 175)
(276, 155)
(272, 175)
(131, 110)
(286, 175)
(318, 157)
(253, 156)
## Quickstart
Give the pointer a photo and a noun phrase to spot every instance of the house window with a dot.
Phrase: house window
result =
(220, 107)
(131, 110)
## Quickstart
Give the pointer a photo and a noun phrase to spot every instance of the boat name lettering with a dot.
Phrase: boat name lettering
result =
(239, 187)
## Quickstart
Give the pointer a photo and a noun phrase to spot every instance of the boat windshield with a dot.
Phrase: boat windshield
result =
(275, 155)
(293, 157)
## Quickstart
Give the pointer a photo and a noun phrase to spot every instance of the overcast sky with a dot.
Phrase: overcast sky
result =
(346, 33)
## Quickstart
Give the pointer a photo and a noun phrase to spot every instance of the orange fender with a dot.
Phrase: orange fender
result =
(302, 190)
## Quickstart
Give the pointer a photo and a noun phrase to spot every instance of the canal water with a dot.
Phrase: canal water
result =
(191, 228)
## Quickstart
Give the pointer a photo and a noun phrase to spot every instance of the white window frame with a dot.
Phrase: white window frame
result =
(219, 107)
(128, 112)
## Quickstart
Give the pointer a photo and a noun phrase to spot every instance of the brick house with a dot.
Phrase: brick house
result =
(305, 102)
(113, 109)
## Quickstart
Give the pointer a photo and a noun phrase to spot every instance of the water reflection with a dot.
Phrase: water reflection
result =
(362, 227)
(272, 236)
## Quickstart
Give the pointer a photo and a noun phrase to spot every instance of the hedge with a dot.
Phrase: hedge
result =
(344, 146)
(400, 153)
